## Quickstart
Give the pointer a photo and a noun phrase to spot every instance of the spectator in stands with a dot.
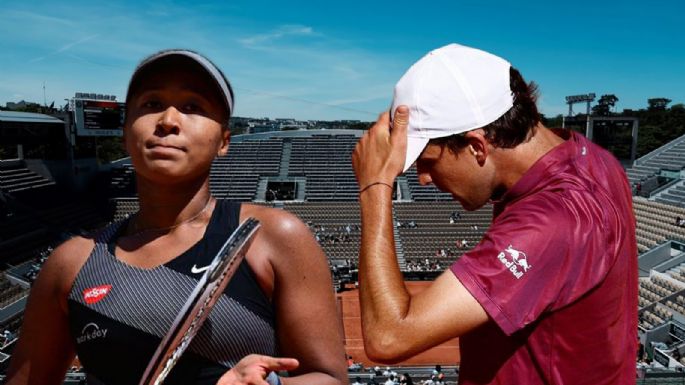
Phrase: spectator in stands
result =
(353, 366)
(680, 221)
(110, 297)
(440, 378)
(405, 379)
(357, 381)
(559, 261)
(454, 216)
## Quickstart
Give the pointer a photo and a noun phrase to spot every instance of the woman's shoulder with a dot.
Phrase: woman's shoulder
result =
(283, 237)
(276, 222)
(68, 258)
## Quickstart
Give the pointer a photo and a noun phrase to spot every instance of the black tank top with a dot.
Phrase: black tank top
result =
(118, 313)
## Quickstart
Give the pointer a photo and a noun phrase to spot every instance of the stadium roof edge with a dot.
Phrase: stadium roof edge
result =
(294, 134)
(27, 117)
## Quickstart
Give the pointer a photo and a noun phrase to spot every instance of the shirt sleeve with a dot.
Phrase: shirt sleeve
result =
(539, 255)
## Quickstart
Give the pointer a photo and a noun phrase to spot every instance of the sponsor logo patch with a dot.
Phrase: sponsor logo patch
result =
(515, 261)
(91, 332)
(96, 294)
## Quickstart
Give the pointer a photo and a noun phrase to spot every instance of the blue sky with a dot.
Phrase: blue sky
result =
(340, 59)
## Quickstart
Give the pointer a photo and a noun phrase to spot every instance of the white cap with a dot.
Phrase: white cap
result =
(451, 90)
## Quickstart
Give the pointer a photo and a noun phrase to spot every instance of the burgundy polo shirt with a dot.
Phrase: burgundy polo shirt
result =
(557, 274)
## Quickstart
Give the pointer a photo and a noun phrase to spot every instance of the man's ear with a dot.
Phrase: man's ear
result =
(477, 145)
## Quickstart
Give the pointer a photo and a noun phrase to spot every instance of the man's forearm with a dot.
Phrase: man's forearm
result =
(384, 298)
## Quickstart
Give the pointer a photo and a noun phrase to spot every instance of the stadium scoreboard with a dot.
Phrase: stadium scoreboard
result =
(97, 114)
(617, 134)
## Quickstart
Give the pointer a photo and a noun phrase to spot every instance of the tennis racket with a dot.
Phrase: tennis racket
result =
(200, 303)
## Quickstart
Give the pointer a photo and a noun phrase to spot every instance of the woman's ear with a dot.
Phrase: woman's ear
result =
(225, 140)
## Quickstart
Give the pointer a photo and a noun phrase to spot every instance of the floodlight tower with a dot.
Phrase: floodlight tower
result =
(574, 99)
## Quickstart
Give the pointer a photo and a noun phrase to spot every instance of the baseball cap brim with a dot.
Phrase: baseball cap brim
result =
(415, 147)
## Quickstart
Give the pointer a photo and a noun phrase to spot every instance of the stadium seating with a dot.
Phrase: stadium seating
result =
(336, 225)
(124, 207)
(325, 161)
(10, 293)
(236, 175)
(425, 223)
(656, 223)
(434, 233)
(671, 157)
(15, 178)
(122, 181)
(30, 230)
(674, 195)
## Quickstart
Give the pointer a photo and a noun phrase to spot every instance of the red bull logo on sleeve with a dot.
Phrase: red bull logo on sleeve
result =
(515, 261)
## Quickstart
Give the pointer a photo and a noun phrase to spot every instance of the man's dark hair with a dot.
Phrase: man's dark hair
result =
(512, 128)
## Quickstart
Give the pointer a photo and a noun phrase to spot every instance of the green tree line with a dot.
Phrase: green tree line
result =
(658, 123)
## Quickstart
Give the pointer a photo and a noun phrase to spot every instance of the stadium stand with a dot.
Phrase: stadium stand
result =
(236, 175)
(122, 181)
(10, 293)
(671, 156)
(438, 231)
(30, 229)
(657, 222)
(335, 225)
(325, 161)
(124, 207)
(431, 230)
(673, 195)
(16, 177)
